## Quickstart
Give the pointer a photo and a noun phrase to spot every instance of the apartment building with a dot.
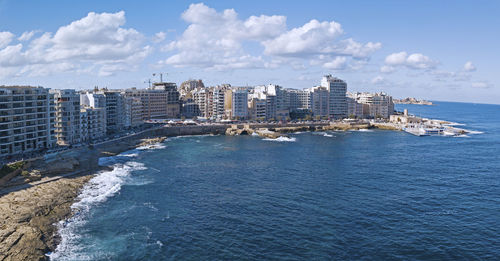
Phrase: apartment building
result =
(239, 104)
(25, 120)
(320, 101)
(92, 124)
(67, 116)
(133, 112)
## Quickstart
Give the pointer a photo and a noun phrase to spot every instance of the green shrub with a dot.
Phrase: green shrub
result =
(8, 168)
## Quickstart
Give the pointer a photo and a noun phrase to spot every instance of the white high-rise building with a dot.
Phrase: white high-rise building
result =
(337, 89)
(25, 119)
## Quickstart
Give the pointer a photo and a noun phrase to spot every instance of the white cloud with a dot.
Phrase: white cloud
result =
(481, 85)
(310, 39)
(378, 80)
(469, 67)
(26, 36)
(95, 41)
(387, 69)
(5, 38)
(214, 37)
(213, 40)
(412, 61)
(338, 63)
(159, 37)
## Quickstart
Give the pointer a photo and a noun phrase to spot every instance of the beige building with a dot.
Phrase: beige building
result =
(67, 116)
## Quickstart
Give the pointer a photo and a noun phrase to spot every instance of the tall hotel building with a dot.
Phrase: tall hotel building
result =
(25, 120)
(337, 89)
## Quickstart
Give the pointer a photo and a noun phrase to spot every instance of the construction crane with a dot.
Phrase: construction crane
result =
(149, 82)
(161, 76)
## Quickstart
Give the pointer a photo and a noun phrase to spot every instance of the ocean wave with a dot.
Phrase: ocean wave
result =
(101, 187)
(475, 132)
(282, 139)
(328, 135)
(461, 136)
(156, 146)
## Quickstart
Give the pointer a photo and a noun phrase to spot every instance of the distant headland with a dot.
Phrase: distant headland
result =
(410, 100)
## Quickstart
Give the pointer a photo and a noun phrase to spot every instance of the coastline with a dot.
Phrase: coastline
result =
(28, 215)
(28, 226)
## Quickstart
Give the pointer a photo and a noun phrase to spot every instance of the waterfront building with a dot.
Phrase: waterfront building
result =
(354, 108)
(173, 102)
(298, 99)
(239, 104)
(25, 120)
(377, 105)
(115, 110)
(159, 102)
(133, 112)
(190, 109)
(257, 108)
(67, 116)
(200, 98)
(228, 103)
(319, 101)
(92, 123)
(218, 102)
(262, 106)
(337, 89)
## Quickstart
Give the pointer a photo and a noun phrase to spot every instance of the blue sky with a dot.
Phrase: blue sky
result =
(439, 50)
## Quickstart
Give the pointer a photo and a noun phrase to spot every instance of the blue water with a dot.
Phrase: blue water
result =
(379, 195)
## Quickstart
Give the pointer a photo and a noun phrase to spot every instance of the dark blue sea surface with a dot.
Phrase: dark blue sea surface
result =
(375, 195)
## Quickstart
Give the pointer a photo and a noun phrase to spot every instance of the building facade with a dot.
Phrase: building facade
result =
(337, 100)
(320, 101)
(239, 104)
(25, 120)
(67, 116)
(92, 124)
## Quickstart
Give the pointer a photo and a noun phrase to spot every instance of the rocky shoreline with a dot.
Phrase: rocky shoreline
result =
(28, 215)
(27, 218)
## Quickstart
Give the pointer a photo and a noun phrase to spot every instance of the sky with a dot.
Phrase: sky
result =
(436, 50)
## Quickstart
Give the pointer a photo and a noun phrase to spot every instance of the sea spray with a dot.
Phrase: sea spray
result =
(101, 187)
(282, 139)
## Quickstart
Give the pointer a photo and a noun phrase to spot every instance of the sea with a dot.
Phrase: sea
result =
(353, 195)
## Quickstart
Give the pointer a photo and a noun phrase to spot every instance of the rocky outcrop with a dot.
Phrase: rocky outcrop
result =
(27, 218)
(151, 141)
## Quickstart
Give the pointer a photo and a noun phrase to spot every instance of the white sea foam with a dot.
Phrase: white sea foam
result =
(282, 139)
(365, 130)
(327, 135)
(461, 136)
(475, 132)
(255, 134)
(101, 187)
(156, 146)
